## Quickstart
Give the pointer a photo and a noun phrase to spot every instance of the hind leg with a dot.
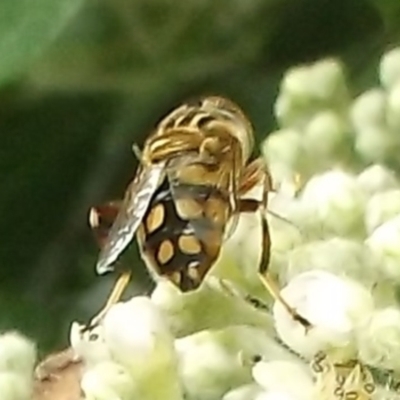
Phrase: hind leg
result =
(254, 175)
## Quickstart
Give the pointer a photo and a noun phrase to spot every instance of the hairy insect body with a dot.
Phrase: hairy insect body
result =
(195, 171)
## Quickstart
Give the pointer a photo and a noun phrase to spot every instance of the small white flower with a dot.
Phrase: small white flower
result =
(286, 111)
(285, 236)
(296, 82)
(351, 258)
(292, 106)
(108, 381)
(334, 305)
(138, 336)
(288, 377)
(284, 151)
(277, 395)
(382, 207)
(379, 339)
(17, 354)
(13, 386)
(369, 110)
(329, 82)
(384, 242)
(306, 89)
(133, 331)
(241, 252)
(377, 178)
(209, 365)
(215, 361)
(393, 109)
(389, 70)
(325, 135)
(334, 200)
(375, 144)
(383, 393)
(89, 345)
(245, 392)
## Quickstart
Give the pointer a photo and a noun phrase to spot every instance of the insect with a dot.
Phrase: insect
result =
(184, 201)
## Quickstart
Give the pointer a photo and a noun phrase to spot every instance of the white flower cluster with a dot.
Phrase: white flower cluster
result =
(17, 359)
(342, 272)
(335, 251)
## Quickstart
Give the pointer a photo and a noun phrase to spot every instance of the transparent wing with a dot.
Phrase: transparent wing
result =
(135, 204)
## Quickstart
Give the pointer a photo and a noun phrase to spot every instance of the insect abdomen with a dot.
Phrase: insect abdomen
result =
(178, 238)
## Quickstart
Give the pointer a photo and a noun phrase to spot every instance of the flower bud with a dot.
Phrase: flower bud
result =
(333, 305)
(277, 395)
(17, 354)
(393, 110)
(134, 329)
(90, 345)
(369, 110)
(296, 82)
(214, 361)
(139, 338)
(14, 386)
(382, 207)
(384, 393)
(306, 90)
(284, 147)
(325, 135)
(328, 81)
(241, 252)
(293, 379)
(335, 201)
(352, 259)
(375, 144)
(287, 235)
(389, 69)
(376, 178)
(384, 242)
(286, 112)
(108, 381)
(321, 82)
(245, 392)
(292, 106)
(379, 339)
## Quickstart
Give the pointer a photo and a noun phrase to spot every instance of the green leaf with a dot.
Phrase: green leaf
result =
(27, 27)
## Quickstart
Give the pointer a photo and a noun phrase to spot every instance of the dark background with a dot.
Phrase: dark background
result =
(80, 81)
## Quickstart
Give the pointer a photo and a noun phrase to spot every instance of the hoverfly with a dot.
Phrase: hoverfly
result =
(193, 173)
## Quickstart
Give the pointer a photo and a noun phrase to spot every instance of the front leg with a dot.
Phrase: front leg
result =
(101, 219)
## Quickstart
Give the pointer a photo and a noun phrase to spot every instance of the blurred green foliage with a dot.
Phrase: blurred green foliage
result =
(81, 80)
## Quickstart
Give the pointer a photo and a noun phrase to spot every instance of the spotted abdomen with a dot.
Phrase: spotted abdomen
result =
(181, 234)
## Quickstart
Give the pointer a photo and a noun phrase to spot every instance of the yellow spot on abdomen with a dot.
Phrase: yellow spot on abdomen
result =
(165, 252)
(188, 244)
(155, 218)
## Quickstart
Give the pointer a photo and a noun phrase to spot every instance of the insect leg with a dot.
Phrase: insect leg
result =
(114, 297)
(260, 175)
(101, 219)
(118, 289)
(267, 279)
